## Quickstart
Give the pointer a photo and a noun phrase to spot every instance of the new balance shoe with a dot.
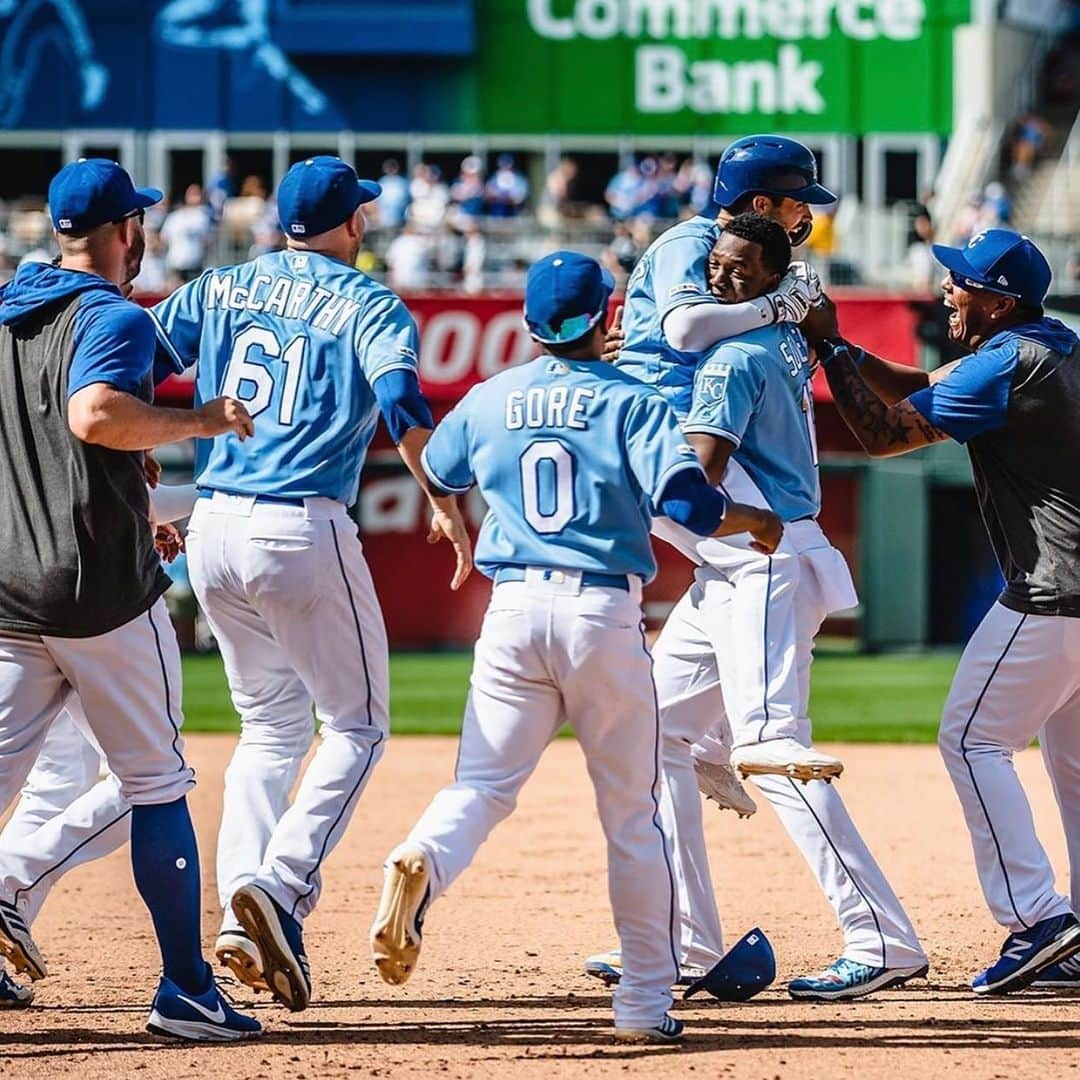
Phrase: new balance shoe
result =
(1026, 954)
(669, 1030)
(785, 757)
(607, 967)
(846, 979)
(1062, 976)
(13, 995)
(205, 1017)
(280, 942)
(237, 952)
(397, 932)
(17, 945)
(719, 783)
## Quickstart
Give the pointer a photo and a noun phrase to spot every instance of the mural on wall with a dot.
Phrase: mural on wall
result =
(37, 25)
(197, 24)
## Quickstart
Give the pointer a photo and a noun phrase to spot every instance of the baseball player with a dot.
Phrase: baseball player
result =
(1015, 403)
(81, 585)
(68, 814)
(739, 644)
(573, 457)
(316, 349)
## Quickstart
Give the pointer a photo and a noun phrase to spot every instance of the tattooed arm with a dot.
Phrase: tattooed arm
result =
(883, 430)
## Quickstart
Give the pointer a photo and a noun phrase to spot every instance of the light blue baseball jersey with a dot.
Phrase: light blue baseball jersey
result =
(672, 273)
(755, 391)
(300, 338)
(572, 458)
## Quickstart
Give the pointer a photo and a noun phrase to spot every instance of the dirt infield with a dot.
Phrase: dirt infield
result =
(499, 990)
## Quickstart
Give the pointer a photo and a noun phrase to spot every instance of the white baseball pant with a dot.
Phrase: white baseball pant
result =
(550, 654)
(714, 662)
(292, 605)
(1018, 678)
(67, 815)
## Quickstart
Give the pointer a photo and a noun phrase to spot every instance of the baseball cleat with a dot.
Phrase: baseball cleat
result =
(237, 952)
(14, 995)
(669, 1030)
(280, 943)
(719, 783)
(844, 980)
(785, 757)
(17, 945)
(205, 1017)
(1061, 976)
(1027, 954)
(397, 932)
(607, 967)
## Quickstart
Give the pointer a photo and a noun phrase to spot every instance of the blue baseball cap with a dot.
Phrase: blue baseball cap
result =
(566, 295)
(999, 261)
(319, 193)
(772, 165)
(91, 191)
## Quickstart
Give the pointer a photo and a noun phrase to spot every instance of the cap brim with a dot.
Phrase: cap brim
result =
(814, 194)
(147, 196)
(953, 259)
(369, 191)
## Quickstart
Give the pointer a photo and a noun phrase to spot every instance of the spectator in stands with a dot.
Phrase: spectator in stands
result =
(1029, 139)
(222, 187)
(507, 190)
(668, 191)
(696, 184)
(474, 258)
(393, 203)
(650, 199)
(408, 260)
(428, 197)
(186, 232)
(920, 236)
(467, 193)
(969, 219)
(997, 208)
(153, 278)
(625, 191)
(557, 202)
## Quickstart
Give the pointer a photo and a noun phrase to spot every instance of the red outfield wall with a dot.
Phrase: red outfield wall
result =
(467, 339)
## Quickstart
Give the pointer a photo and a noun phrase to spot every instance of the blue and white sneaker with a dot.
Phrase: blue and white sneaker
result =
(607, 967)
(205, 1017)
(13, 995)
(17, 945)
(1025, 955)
(1061, 976)
(280, 942)
(669, 1030)
(846, 979)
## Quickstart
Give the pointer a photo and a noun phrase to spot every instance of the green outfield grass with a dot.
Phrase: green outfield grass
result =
(892, 698)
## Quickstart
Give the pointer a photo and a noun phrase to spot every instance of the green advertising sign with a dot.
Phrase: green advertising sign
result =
(713, 67)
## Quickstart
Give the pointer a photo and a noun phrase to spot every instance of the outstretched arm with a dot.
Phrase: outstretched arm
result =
(883, 430)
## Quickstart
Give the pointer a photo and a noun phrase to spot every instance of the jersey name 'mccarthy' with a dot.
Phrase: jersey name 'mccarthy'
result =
(548, 407)
(286, 297)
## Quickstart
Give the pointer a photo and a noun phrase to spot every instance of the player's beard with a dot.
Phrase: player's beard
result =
(134, 257)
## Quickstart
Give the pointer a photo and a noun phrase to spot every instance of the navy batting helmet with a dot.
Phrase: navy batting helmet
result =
(769, 165)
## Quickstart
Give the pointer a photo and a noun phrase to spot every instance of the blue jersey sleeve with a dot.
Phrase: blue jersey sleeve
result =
(974, 397)
(114, 345)
(446, 458)
(386, 338)
(655, 446)
(727, 390)
(680, 273)
(402, 403)
(178, 320)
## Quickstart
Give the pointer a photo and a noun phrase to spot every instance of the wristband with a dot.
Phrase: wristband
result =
(829, 348)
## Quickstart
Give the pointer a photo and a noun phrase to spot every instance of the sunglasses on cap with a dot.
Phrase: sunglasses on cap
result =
(967, 283)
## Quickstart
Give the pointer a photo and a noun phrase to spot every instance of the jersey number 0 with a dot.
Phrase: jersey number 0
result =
(243, 368)
(550, 457)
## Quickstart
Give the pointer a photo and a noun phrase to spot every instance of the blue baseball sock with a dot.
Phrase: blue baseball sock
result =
(165, 861)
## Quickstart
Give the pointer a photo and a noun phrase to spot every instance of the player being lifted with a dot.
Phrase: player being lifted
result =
(1015, 403)
(573, 458)
(316, 349)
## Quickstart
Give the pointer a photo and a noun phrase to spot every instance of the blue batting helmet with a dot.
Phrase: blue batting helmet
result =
(769, 165)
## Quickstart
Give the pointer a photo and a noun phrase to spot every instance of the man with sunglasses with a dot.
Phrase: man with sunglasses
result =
(81, 584)
(1014, 402)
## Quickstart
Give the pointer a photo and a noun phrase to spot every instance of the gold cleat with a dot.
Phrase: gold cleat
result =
(397, 932)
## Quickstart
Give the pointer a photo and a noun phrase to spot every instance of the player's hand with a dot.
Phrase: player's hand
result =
(613, 341)
(169, 542)
(804, 272)
(152, 468)
(766, 532)
(820, 321)
(448, 524)
(225, 414)
(793, 298)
